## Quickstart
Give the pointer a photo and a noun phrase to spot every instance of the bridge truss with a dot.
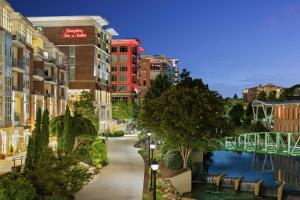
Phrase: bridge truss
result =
(264, 142)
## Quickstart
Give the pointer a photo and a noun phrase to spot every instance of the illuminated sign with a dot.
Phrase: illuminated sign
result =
(74, 33)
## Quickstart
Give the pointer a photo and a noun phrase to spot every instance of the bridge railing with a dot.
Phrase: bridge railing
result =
(264, 142)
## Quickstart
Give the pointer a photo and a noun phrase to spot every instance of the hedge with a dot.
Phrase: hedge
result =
(113, 134)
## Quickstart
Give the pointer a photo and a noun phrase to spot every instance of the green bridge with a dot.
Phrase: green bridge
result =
(266, 142)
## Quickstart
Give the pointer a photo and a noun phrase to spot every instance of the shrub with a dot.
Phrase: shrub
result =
(173, 160)
(94, 154)
(113, 134)
(55, 198)
(16, 187)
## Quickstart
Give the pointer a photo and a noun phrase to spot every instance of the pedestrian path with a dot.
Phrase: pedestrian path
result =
(122, 179)
(7, 163)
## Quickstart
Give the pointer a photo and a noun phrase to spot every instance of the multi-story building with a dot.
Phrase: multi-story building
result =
(251, 94)
(87, 46)
(125, 65)
(152, 66)
(49, 82)
(23, 88)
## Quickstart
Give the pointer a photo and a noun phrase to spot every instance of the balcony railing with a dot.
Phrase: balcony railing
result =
(63, 67)
(51, 78)
(49, 95)
(38, 92)
(62, 82)
(19, 37)
(18, 62)
(39, 72)
(17, 88)
(40, 51)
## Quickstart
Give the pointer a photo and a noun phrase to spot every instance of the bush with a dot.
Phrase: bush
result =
(113, 134)
(173, 160)
(94, 154)
(16, 187)
(55, 198)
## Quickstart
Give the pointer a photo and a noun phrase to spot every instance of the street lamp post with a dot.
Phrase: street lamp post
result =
(154, 167)
(152, 147)
(149, 138)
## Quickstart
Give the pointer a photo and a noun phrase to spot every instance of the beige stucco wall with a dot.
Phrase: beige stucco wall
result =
(182, 182)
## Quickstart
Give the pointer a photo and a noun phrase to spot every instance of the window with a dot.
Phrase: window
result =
(123, 58)
(114, 58)
(114, 49)
(144, 82)
(72, 62)
(114, 87)
(114, 68)
(123, 77)
(122, 88)
(123, 49)
(123, 68)
(5, 19)
(113, 77)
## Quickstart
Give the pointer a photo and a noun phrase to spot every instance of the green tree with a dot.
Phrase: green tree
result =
(158, 86)
(236, 114)
(262, 96)
(85, 106)
(249, 113)
(272, 96)
(122, 111)
(71, 130)
(68, 133)
(59, 175)
(45, 129)
(189, 118)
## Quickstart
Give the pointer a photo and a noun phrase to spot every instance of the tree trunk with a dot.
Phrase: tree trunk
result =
(185, 153)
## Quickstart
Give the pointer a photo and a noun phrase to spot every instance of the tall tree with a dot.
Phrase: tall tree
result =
(85, 106)
(236, 114)
(122, 111)
(68, 133)
(45, 129)
(189, 117)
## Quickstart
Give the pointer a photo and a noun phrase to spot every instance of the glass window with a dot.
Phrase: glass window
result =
(123, 77)
(122, 88)
(72, 62)
(123, 49)
(123, 58)
(114, 49)
(123, 68)
(114, 87)
(113, 77)
(114, 68)
(5, 19)
(114, 58)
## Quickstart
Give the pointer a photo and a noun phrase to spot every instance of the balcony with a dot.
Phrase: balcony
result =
(51, 78)
(18, 40)
(17, 88)
(18, 65)
(38, 74)
(37, 92)
(63, 67)
(51, 59)
(49, 95)
(40, 52)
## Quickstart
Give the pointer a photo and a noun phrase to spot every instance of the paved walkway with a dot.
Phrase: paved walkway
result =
(122, 179)
(6, 164)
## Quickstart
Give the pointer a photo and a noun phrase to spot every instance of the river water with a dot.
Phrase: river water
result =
(253, 167)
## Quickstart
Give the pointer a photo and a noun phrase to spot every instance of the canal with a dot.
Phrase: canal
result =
(253, 167)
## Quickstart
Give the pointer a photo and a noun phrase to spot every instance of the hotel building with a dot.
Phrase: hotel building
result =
(125, 66)
(87, 45)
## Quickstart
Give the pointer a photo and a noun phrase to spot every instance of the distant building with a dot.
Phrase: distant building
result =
(152, 66)
(251, 94)
(124, 70)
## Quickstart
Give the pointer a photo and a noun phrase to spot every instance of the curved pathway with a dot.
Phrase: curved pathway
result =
(122, 179)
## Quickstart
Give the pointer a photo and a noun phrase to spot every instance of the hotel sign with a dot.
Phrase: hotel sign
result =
(74, 33)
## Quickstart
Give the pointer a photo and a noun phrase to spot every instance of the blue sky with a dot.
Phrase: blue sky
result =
(230, 44)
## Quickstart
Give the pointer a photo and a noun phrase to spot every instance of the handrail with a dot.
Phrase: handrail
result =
(18, 158)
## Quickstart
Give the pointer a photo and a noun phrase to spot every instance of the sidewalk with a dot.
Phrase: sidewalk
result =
(7, 163)
(123, 178)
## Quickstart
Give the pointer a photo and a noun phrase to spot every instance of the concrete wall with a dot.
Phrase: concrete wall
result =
(182, 182)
